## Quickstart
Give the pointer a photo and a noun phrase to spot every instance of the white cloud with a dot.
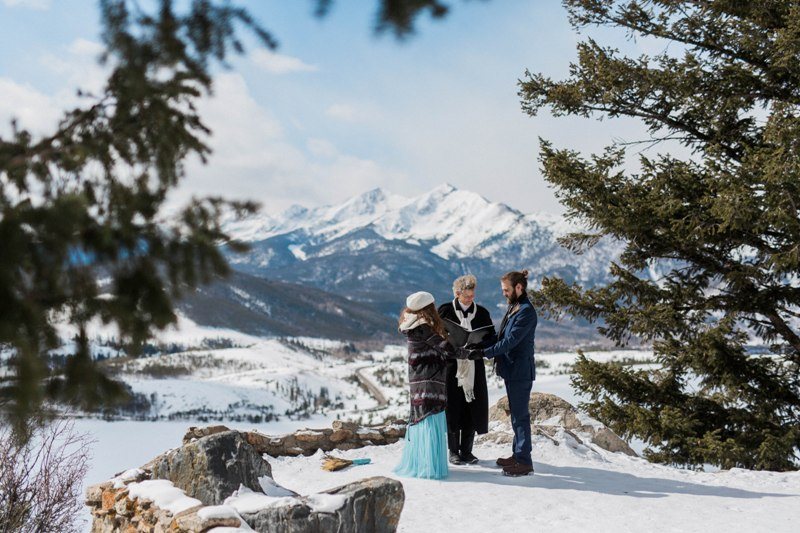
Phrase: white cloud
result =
(85, 48)
(254, 159)
(321, 148)
(342, 112)
(33, 110)
(352, 113)
(279, 63)
(77, 67)
(39, 5)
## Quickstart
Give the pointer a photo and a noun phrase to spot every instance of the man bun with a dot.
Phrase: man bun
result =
(515, 278)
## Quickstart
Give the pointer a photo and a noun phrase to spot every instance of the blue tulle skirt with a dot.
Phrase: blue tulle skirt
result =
(425, 450)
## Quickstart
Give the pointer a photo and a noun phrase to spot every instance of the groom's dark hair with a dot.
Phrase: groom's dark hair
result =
(515, 278)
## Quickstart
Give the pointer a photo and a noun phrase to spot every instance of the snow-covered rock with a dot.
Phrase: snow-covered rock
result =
(552, 416)
(220, 480)
(212, 467)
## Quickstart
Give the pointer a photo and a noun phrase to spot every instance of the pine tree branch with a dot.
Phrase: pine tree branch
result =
(672, 122)
(785, 331)
(685, 38)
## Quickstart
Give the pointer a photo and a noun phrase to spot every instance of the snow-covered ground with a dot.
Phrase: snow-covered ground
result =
(574, 489)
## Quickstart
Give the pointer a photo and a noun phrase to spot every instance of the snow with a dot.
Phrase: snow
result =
(163, 494)
(217, 511)
(246, 500)
(260, 377)
(574, 489)
(297, 251)
(326, 503)
(119, 481)
(270, 488)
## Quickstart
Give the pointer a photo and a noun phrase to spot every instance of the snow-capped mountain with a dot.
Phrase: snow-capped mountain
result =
(378, 246)
(454, 223)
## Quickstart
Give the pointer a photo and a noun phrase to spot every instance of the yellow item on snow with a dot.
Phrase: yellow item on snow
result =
(332, 464)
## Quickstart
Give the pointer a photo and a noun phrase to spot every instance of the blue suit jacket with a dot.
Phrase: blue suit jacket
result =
(513, 351)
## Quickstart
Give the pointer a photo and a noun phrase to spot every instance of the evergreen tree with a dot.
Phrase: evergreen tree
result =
(723, 224)
(82, 231)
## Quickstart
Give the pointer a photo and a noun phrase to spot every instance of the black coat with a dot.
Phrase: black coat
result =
(459, 411)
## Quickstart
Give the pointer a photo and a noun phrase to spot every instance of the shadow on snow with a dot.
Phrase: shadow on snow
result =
(598, 480)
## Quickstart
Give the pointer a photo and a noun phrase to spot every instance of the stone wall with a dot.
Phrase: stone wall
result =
(341, 436)
(115, 510)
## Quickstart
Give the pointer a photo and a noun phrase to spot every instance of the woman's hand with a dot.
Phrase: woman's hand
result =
(470, 351)
(475, 354)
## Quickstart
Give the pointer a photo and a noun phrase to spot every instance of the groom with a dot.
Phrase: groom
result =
(513, 355)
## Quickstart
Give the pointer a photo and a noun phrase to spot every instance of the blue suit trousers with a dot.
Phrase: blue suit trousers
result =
(519, 394)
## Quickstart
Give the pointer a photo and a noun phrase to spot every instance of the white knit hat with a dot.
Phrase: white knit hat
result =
(418, 300)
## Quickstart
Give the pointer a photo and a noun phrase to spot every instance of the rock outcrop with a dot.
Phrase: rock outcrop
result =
(199, 486)
(372, 504)
(211, 468)
(550, 415)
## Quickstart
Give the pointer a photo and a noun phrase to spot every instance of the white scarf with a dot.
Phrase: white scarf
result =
(411, 320)
(465, 368)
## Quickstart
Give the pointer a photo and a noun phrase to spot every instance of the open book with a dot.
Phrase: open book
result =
(460, 337)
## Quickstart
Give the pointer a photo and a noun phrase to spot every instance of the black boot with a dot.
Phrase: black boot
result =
(452, 444)
(467, 438)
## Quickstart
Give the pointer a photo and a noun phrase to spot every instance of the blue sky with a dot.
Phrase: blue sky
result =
(337, 110)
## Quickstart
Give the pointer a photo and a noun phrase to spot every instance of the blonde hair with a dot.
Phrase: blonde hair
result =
(464, 283)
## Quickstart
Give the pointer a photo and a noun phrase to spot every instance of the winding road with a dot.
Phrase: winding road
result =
(372, 388)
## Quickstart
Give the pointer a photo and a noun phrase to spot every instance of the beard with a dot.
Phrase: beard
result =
(512, 298)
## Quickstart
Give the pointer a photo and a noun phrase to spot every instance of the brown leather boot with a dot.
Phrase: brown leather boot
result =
(518, 469)
(506, 461)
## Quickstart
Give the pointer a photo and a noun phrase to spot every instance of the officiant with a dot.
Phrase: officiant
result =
(467, 398)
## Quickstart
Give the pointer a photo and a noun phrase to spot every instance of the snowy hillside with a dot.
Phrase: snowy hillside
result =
(212, 374)
(203, 374)
(265, 307)
(198, 373)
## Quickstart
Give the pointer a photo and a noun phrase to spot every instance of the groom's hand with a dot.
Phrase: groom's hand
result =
(463, 353)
